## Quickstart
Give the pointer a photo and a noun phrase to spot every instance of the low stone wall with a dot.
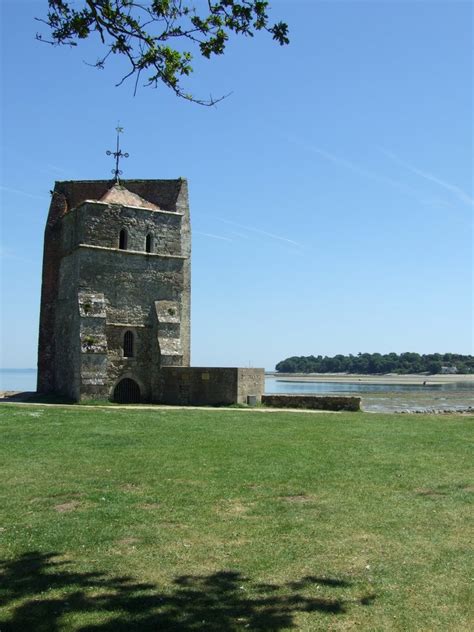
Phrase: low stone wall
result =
(314, 402)
(250, 383)
(211, 386)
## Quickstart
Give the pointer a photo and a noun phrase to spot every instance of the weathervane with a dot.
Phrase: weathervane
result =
(117, 154)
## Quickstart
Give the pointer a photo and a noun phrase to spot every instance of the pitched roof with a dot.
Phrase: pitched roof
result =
(118, 194)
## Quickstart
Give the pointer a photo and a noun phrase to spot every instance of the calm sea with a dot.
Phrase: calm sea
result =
(17, 379)
(25, 380)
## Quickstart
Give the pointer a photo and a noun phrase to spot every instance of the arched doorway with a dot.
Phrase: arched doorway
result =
(127, 391)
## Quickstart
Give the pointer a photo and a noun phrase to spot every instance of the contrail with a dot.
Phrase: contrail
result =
(59, 170)
(25, 193)
(197, 232)
(352, 166)
(458, 192)
(5, 253)
(262, 232)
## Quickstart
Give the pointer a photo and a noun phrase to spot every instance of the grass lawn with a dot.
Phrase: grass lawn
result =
(126, 519)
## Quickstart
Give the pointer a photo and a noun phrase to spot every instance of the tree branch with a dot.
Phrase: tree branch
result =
(144, 43)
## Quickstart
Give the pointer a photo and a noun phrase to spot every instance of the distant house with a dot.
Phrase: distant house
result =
(448, 369)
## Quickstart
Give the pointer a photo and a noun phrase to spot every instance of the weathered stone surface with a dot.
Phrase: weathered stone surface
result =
(250, 382)
(115, 303)
(213, 386)
(94, 292)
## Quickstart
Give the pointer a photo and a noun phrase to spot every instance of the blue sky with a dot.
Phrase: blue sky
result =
(331, 193)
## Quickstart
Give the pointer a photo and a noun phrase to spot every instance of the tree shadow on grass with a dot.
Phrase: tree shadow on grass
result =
(40, 591)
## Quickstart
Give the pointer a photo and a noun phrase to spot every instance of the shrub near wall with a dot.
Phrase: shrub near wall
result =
(312, 402)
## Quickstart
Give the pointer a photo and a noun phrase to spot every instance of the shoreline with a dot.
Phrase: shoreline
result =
(389, 378)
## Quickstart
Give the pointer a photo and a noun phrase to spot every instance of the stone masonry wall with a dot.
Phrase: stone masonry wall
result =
(208, 385)
(83, 265)
(101, 223)
(52, 253)
(250, 382)
(94, 346)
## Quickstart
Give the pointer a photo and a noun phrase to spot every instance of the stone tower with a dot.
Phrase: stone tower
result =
(115, 301)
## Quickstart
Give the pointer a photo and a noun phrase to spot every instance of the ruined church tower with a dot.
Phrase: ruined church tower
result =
(115, 301)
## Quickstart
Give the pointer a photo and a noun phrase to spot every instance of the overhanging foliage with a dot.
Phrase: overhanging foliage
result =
(157, 38)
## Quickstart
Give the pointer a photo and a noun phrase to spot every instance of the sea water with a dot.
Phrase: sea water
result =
(18, 379)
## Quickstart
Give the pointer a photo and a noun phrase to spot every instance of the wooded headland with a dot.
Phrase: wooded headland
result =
(377, 363)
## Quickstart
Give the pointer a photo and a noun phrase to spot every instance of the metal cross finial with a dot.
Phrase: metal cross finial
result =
(117, 154)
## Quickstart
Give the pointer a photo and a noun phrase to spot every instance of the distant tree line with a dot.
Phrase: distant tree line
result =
(373, 363)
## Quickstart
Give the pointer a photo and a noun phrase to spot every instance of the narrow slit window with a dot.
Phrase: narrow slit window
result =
(149, 243)
(128, 345)
(123, 239)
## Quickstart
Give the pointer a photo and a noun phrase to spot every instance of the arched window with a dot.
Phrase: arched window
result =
(128, 345)
(123, 239)
(149, 242)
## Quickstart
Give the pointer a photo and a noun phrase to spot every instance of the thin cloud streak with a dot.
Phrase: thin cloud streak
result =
(456, 191)
(59, 170)
(6, 253)
(261, 232)
(241, 235)
(438, 203)
(47, 168)
(25, 193)
(198, 232)
(353, 167)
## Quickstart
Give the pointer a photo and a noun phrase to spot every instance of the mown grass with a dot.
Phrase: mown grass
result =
(123, 519)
